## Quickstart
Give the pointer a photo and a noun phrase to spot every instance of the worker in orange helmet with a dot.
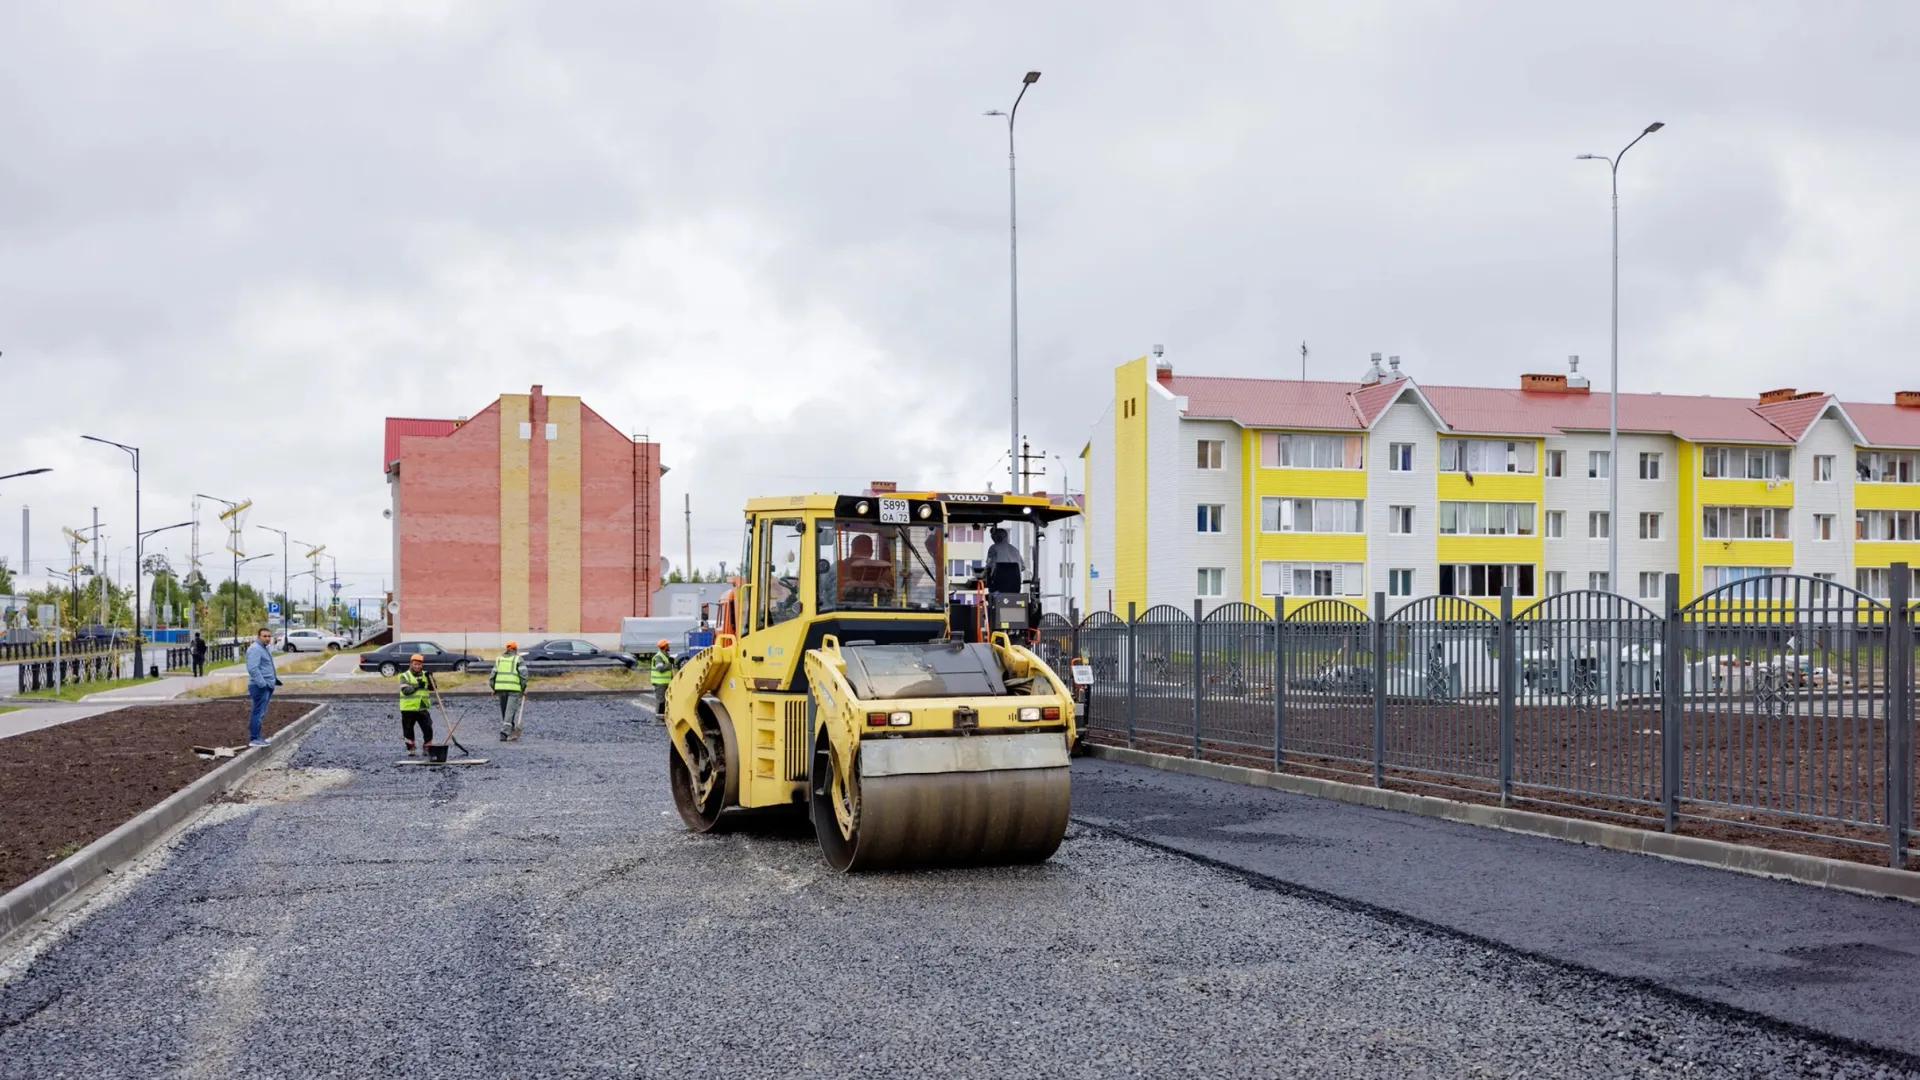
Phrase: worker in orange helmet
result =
(416, 696)
(662, 670)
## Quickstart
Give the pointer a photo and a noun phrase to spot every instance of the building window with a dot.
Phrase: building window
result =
(1486, 519)
(1884, 468)
(1649, 526)
(1399, 583)
(1823, 468)
(1212, 579)
(526, 431)
(1556, 524)
(1744, 522)
(553, 432)
(1745, 463)
(1285, 451)
(1312, 579)
(1400, 520)
(1649, 466)
(1312, 515)
(1486, 456)
(1823, 526)
(1556, 463)
(1597, 581)
(1599, 525)
(1599, 465)
(1400, 457)
(1209, 453)
(1649, 585)
(1485, 579)
(1826, 577)
(1556, 582)
(1713, 577)
(1210, 517)
(1886, 525)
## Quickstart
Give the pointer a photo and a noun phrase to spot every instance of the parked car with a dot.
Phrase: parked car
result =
(313, 641)
(562, 654)
(391, 659)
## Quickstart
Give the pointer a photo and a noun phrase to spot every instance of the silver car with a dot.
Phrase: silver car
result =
(313, 641)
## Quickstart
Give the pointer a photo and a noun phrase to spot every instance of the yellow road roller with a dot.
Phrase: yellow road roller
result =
(851, 676)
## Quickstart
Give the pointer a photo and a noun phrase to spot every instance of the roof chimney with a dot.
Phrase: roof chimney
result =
(1163, 371)
(1374, 374)
(1394, 363)
(1907, 399)
(1770, 397)
(1575, 380)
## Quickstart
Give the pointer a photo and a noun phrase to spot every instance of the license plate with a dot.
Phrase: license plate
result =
(893, 511)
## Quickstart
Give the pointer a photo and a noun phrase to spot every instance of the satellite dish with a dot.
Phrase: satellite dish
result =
(665, 566)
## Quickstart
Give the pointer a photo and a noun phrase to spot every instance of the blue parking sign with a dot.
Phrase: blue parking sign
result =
(273, 607)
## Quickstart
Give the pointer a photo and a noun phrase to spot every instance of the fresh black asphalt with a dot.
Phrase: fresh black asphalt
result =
(547, 915)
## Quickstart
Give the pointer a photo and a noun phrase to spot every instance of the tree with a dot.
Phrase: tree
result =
(6, 578)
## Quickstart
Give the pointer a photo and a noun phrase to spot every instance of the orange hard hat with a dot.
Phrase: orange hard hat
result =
(417, 656)
(513, 644)
(665, 644)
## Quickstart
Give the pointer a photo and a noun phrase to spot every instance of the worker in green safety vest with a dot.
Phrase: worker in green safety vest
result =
(662, 669)
(416, 699)
(509, 682)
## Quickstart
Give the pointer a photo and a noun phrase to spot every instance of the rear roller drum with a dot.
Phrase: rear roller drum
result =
(937, 819)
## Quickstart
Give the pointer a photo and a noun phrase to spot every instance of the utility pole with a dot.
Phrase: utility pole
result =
(99, 582)
(1027, 473)
(1303, 361)
(1013, 277)
(689, 498)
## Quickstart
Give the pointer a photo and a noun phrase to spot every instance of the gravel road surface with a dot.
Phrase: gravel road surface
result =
(546, 915)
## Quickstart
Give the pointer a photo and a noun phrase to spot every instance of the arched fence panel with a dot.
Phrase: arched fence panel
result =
(1587, 712)
(1442, 701)
(1237, 665)
(1163, 674)
(1326, 717)
(1103, 640)
(1790, 693)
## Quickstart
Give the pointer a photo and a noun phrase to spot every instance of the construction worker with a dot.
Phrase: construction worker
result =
(416, 699)
(509, 681)
(662, 675)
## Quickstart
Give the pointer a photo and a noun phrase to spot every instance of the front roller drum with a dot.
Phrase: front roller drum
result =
(927, 820)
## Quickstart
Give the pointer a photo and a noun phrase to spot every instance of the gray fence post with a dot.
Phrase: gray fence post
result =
(1899, 713)
(1279, 681)
(1507, 692)
(1198, 616)
(1379, 689)
(1672, 704)
(1133, 662)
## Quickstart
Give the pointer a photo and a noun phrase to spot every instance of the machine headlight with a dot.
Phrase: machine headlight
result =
(859, 508)
(900, 719)
(1030, 712)
(926, 512)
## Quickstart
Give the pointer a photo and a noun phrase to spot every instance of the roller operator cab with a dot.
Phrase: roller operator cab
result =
(846, 676)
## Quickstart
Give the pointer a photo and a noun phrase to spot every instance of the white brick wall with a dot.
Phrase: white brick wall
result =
(1099, 486)
(1827, 435)
(1170, 578)
(1575, 553)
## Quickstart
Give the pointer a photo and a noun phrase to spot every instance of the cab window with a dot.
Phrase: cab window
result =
(779, 598)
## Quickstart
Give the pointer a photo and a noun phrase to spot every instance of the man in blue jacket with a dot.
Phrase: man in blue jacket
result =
(261, 680)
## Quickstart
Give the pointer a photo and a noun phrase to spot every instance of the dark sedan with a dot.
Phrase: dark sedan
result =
(392, 659)
(566, 654)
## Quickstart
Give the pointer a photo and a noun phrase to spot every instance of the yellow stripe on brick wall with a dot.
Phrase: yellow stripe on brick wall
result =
(516, 456)
(1688, 507)
(1130, 484)
(563, 516)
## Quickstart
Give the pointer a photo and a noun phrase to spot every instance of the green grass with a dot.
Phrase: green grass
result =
(11, 708)
(76, 691)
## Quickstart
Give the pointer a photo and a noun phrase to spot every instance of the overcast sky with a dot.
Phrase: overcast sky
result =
(773, 236)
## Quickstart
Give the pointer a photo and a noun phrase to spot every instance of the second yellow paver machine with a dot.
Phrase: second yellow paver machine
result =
(852, 677)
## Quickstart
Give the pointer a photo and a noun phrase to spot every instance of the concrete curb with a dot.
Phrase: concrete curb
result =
(459, 695)
(1740, 858)
(37, 896)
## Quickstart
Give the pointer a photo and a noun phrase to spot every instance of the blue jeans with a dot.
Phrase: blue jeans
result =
(260, 696)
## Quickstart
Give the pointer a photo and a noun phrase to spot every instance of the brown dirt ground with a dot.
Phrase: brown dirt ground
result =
(65, 786)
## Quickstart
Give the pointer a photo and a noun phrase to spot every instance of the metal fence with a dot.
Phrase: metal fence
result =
(36, 675)
(1782, 703)
(180, 657)
(48, 650)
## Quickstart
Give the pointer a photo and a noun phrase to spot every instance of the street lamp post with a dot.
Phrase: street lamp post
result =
(134, 453)
(24, 568)
(284, 598)
(1613, 390)
(234, 628)
(313, 555)
(1013, 260)
(139, 554)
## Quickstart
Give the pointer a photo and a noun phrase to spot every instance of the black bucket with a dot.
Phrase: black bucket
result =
(437, 753)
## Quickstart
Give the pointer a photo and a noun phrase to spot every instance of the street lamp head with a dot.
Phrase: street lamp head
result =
(1586, 157)
(1032, 77)
(994, 112)
(29, 472)
(1653, 127)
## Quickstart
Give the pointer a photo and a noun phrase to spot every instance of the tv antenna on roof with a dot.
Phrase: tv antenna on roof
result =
(1303, 361)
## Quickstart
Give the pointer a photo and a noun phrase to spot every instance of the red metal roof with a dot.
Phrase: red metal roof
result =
(1493, 410)
(402, 425)
(1885, 425)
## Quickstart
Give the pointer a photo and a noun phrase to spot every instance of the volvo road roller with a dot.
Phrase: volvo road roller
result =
(852, 678)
